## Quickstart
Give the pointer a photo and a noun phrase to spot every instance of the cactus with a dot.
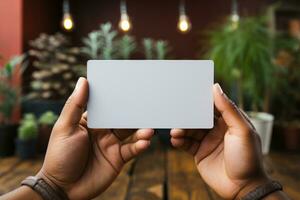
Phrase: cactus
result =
(28, 129)
(48, 118)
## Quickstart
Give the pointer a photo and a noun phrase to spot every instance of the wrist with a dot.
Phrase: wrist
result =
(251, 185)
(57, 188)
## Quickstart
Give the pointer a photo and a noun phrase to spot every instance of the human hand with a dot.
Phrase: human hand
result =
(228, 157)
(85, 162)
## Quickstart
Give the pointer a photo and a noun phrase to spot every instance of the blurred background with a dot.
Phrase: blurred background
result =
(44, 47)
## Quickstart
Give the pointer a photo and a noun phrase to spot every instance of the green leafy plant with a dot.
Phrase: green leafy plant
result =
(48, 118)
(57, 67)
(155, 49)
(287, 96)
(243, 56)
(106, 44)
(28, 129)
(126, 46)
(8, 92)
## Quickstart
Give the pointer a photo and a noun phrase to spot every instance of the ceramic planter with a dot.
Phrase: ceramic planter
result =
(8, 134)
(263, 123)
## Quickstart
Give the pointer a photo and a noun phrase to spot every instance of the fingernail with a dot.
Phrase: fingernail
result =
(78, 84)
(219, 89)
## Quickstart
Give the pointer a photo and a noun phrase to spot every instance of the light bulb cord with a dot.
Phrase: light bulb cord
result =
(234, 8)
(123, 7)
(182, 7)
(66, 6)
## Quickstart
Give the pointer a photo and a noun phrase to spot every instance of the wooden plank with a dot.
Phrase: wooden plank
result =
(148, 174)
(13, 179)
(6, 164)
(184, 181)
(118, 190)
(286, 169)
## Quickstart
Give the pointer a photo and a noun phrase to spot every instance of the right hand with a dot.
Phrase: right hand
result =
(228, 157)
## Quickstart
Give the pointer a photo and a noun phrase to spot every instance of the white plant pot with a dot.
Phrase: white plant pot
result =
(263, 123)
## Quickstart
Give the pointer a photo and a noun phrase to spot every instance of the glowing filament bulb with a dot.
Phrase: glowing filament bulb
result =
(184, 24)
(235, 18)
(124, 23)
(68, 22)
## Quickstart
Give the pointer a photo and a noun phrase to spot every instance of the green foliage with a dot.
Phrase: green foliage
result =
(162, 49)
(92, 45)
(48, 118)
(8, 92)
(287, 96)
(126, 46)
(105, 44)
(28, 128)
(243, 56)
(148, 48)
(155, 49)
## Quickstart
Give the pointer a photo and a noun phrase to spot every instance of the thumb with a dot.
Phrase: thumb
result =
(74, 106)
(230, 112)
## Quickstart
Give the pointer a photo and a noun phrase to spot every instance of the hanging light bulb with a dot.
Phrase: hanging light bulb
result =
(67, 22)
(235, 18)
(124, 24)
(184, 25)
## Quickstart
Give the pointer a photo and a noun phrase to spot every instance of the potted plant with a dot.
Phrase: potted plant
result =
(56, 69)
(8, 100)
(45, 122)
(243, 57)
(27, 134)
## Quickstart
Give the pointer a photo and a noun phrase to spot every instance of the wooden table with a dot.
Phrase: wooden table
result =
(160, 174)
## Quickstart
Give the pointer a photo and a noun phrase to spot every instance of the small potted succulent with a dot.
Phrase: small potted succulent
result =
(27, 134)
(45, 122)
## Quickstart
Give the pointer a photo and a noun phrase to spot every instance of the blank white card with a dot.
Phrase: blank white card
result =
(150, 93)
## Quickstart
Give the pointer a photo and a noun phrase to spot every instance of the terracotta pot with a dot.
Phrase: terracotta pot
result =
(43, 137)
(292, 138)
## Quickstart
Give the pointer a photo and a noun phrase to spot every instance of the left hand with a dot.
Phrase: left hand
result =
(85, 162)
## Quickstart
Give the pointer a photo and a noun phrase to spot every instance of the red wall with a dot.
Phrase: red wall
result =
(10, 28)
(11, 37)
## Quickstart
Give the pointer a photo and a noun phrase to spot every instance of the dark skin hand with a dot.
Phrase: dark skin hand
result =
(228, 157)
(81, 161)
(85, 162)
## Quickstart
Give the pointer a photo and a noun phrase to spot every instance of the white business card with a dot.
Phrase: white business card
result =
(150, 94)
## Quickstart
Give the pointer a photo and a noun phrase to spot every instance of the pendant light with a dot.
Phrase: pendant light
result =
(67, 21)
(124, 24)
(235, 18)
(184, 25)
